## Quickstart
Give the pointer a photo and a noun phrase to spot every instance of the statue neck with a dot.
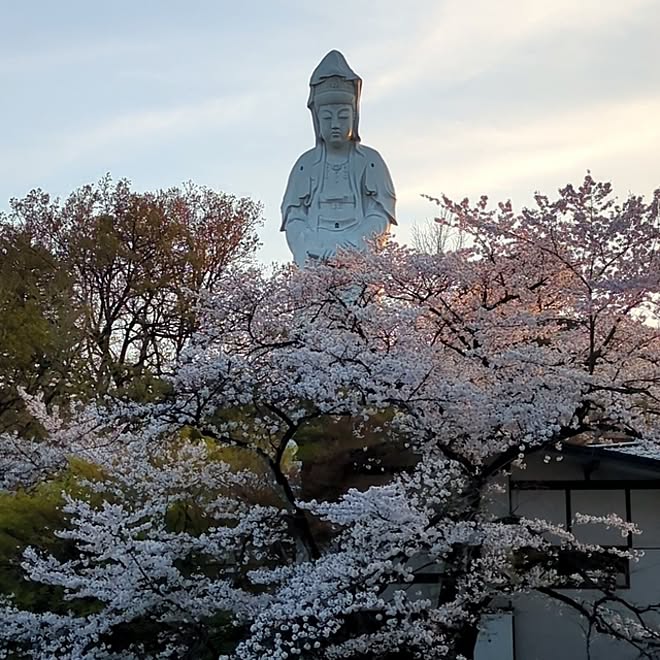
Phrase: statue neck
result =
(337, 154)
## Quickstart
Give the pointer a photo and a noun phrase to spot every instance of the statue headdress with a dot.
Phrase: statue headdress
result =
(333, 81)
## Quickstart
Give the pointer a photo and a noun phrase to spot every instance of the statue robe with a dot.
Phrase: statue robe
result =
(370, 179)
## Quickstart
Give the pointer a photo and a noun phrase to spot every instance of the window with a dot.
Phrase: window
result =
(558, 502)
(579, 570)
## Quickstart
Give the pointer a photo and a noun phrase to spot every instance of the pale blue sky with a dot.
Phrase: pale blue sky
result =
(463, 97)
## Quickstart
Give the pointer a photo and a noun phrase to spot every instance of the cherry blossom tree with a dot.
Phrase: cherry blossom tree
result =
(333, 432)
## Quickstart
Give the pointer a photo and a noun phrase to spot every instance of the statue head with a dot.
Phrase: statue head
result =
(334, 85)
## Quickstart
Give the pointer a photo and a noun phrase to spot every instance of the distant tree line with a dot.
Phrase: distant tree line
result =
(98, 291)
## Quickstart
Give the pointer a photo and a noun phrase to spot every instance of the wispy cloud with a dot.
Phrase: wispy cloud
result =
(134, 129)
(72, 54)
(469, 158)
(463, 38)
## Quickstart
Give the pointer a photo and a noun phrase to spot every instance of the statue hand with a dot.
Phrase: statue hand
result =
(348, 244)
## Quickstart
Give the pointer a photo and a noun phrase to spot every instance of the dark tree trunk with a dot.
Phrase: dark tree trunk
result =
(466, 641)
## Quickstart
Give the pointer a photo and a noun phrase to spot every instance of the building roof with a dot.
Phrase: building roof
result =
(643, 454)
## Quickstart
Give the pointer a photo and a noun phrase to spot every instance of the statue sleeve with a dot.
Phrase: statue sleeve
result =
(378, 185)
(298, 192)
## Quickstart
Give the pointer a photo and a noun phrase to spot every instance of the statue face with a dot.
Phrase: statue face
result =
(336, 123)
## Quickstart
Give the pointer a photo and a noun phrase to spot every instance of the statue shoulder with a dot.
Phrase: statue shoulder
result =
(377, 181)
(306, 160)
(375, 170)
(374, 166)
(369, 153)
(299, 186)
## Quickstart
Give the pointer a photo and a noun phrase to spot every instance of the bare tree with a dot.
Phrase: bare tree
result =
(436, 235)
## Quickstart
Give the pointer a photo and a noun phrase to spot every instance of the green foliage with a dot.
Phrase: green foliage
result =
(338, 453)
(30, 519)
(206, 639)
(38, 330)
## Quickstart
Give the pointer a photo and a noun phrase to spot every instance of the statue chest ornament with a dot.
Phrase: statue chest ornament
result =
(336, 174)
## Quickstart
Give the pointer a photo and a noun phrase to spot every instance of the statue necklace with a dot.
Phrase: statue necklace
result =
(340, 170)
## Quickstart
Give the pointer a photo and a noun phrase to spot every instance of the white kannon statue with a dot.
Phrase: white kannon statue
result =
(339, 193)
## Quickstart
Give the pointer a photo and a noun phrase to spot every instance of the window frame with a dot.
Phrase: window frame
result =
(622, 574)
